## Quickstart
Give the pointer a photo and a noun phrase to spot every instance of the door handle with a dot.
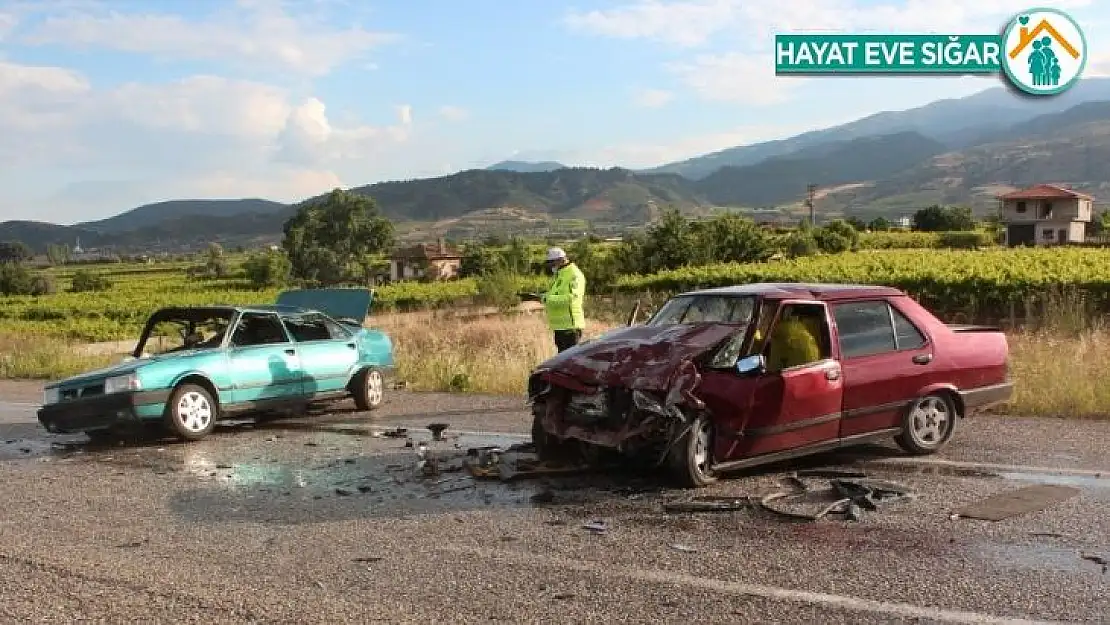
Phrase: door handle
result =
(922, 359)
(352, 345)
(291, 352)
(832, 374)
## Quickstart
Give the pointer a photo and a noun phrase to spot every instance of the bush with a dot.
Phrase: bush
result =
(42, 285)
(85, 281)
(269, 269)
(801, 243)
(15, 279)
(964, 240)
(499, 288)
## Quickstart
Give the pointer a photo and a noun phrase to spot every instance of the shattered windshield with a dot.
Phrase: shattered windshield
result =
(730, 309)
(172, 331)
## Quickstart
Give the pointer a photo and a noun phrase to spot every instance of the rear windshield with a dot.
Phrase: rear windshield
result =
(730, 309)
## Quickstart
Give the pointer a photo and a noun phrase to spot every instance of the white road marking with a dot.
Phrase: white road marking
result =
(19, 404)
(904, 610)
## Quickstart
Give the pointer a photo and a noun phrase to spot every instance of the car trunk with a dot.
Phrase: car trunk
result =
(351, 305)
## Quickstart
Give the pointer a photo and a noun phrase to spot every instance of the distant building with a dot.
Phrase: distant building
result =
(1045, 214)
(433, 261)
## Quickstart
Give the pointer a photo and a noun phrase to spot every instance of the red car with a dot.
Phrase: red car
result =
(728, 378)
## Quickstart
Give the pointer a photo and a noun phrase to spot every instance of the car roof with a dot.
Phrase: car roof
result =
(802, 290)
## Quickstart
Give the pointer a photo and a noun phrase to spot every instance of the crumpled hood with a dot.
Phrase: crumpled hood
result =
(637, 357)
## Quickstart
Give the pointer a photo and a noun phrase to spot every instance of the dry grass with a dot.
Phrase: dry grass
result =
(486, 354)
(37, 357)
(1059, 371)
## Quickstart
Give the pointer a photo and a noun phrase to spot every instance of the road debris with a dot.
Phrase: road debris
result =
(709, 503)
(1097, 559)
(513, 463)
(686, 548)
(849, 496)
(1017, 502)
(597, 527)
(437, 430)
(393, 433)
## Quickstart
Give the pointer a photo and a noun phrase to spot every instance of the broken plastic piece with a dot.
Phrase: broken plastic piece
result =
(599, 527)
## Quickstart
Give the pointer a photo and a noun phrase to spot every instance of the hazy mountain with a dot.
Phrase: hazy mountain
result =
(956, 122)
(152, 214)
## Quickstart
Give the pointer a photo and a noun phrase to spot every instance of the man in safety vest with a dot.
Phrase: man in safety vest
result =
(563, 302)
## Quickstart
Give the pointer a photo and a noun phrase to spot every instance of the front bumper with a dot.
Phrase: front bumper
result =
(99, 412)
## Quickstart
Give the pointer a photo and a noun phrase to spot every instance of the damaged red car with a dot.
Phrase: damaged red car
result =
(728, 378)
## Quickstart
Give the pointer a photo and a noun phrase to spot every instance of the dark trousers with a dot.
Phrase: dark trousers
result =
(566, 339)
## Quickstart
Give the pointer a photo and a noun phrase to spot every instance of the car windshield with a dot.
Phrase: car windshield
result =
(730, 309)
(177, 330)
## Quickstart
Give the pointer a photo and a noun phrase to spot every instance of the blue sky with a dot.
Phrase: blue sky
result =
(108, 105)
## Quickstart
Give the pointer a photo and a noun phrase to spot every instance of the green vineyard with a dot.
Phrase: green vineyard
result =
(978, 283)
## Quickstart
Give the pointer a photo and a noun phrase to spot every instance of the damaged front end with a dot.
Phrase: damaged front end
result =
(634, 392)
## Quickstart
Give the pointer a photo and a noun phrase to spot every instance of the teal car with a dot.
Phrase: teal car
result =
(195, 365)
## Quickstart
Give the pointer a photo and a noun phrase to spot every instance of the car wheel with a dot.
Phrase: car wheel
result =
(368, 388)
(192, 412)
(928, 425)
(691, 457)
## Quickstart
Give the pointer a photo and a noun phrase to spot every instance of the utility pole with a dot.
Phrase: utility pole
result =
(811, 193)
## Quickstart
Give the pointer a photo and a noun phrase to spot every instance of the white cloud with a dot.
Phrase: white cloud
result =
(254, 34)
(217, 137)
(735, 77)
(7, 24)
(653, 98)
(453, 113)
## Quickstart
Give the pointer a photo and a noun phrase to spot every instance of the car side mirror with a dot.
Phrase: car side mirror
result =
(751, 364)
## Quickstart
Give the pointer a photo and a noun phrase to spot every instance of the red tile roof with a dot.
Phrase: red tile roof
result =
(1045, 192)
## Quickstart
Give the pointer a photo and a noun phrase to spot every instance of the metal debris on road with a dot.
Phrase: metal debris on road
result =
(849, 497)
(393, 433)
(513, 463)
(686, 548)
(597, 527)
(708, 503)
(437, 430)
(1017, 502)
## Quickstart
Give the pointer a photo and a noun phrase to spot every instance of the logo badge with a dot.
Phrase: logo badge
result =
(1043, 51)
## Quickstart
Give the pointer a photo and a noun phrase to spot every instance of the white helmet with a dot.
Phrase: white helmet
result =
(555, 253)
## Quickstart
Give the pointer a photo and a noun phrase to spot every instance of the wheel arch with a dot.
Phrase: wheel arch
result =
(200, 380)
(948, 390)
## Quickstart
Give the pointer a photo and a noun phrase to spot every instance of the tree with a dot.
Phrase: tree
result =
(943, 219)
(479, 260)
(267, 269)
(85, 281)
(215, 263)
(837, 236)
(879, 224)
(518, 258)
(15, 252)
(857, 223)
(57, 254)
(331, 233)
(728, 238)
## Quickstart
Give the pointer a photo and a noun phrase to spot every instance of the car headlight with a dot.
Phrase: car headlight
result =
(49, 396)
(120, 383)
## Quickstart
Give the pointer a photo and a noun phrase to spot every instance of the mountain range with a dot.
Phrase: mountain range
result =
(963, 151)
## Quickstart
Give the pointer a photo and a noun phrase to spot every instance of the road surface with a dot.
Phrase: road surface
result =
(315, 519)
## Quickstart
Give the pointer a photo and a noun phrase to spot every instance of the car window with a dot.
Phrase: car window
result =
(731, 309)
(314, 328)
(906, 334)
(864, 328)
(799, 337)
(258, 329)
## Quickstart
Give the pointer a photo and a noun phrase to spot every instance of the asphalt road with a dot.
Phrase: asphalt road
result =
(315, 519)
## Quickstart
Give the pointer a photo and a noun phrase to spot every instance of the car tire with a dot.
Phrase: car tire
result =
(368, 389)
(691, 456)
(191, 412)
(928, 425)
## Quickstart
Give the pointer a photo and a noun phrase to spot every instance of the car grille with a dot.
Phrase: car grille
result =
(84, 391)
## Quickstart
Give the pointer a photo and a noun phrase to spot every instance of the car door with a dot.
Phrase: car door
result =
(796, 406)
(886, 359)
(328, 352)
(263, 365)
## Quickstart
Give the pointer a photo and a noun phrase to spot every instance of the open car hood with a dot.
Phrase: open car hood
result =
(352, 304)
(637, 357)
